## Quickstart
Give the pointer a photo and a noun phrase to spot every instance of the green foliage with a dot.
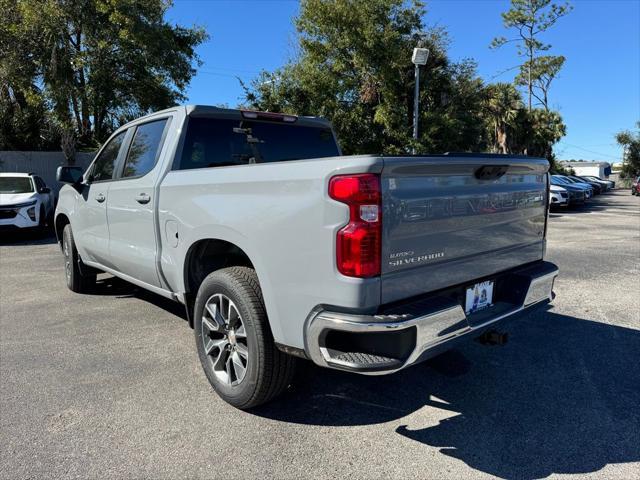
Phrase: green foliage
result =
(354, 68)
(529, 19)
(544, 70)
(503, 107)
(515, 129)
(94, 63)
(630, 142)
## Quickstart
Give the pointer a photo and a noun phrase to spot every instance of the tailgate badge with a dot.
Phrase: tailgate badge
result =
(409, 258)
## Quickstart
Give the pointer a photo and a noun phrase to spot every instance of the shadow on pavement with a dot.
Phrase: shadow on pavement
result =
(113, 286)
(27, 237)
(562, 397)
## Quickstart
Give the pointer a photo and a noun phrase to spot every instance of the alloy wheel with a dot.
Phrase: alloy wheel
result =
(67, 260)
(225, 339)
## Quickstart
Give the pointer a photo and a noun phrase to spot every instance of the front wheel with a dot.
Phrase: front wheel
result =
(80, 278)
(235, 344)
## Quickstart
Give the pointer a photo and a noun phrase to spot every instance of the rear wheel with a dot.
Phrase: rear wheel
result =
(234, 341)
(79, 277)
(42, 220)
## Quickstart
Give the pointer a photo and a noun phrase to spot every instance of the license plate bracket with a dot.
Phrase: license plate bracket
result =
(479, 297)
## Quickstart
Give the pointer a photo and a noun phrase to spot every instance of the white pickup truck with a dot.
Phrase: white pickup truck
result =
(279, 247)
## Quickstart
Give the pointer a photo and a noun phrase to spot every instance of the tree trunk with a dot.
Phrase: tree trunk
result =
(502, 140)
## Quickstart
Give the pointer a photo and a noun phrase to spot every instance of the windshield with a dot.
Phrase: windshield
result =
(215, 142)
(15, 185)
(559, 180)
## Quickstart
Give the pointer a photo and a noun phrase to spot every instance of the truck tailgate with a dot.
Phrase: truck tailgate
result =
(449, 220)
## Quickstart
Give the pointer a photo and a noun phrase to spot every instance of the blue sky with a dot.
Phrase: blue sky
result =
(598, 92)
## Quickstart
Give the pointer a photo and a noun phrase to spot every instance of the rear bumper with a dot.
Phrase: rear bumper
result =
(415, 331)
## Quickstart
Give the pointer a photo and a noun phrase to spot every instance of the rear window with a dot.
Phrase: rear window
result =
(15, 185)
(213, 142)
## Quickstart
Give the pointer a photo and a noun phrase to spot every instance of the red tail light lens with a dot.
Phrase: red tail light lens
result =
(358, 243)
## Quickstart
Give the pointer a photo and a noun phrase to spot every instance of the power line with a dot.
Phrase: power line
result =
(590, 151)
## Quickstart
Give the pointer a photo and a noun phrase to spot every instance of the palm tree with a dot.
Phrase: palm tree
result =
(503, 103)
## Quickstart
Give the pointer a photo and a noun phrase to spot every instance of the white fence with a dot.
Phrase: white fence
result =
(43, 164)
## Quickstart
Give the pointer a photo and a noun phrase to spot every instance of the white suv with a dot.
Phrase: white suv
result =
(559, 196)
(25, 201)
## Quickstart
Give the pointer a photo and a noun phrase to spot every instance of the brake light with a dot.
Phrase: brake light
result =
(273, 117)
(358, 243)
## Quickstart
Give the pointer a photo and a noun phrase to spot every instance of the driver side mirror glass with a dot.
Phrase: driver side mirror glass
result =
(70, 175)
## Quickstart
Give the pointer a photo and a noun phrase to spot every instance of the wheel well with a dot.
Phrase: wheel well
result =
(206, 256)
(61, 221)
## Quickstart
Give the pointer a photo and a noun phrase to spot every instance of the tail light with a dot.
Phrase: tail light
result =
(358, 243)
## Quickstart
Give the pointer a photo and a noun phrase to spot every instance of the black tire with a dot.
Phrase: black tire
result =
(268, 371)
(79, 277)
(42, 220)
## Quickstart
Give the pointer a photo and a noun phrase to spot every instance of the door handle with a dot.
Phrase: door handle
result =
(100, 198)
(143, 198)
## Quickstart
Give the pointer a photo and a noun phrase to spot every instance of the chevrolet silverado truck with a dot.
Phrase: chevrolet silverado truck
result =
(280, 247)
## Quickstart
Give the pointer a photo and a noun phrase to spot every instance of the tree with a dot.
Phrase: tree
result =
(23, 112)
(530, 18)
(630, 143)
(543, 70)
(99, 63)
(503, 105)
(354, 68)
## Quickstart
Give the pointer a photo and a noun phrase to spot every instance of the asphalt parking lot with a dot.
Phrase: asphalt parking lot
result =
(109, 385)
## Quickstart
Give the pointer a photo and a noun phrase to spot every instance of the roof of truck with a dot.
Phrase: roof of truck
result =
(205, 110)
(195, 110)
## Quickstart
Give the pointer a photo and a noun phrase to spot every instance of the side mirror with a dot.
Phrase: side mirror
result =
(71, 175)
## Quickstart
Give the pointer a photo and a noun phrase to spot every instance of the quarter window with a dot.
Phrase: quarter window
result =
(105, 163)
(144, 149)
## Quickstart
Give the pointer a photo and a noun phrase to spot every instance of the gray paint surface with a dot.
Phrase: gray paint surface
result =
(281, 216)
(443, 226)
(109, 386)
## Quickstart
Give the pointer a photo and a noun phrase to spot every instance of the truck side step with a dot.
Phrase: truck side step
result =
(364, 361)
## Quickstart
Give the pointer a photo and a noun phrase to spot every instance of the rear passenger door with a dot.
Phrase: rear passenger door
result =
(131, 205)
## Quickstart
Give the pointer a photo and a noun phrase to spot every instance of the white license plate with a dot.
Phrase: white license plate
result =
(479, 296)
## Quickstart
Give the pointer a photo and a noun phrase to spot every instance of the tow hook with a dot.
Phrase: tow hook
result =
(493, 337)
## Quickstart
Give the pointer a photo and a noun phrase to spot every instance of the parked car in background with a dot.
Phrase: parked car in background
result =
(25, 201)
(611, 183)
(563, 181)
(590, 188)
(597, 188)
(605, 184)
(279, 246)
(635, 186)
(558, 196)
(577, 194)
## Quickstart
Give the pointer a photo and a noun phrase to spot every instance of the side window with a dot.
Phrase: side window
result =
(144, 149)
(105, 163)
